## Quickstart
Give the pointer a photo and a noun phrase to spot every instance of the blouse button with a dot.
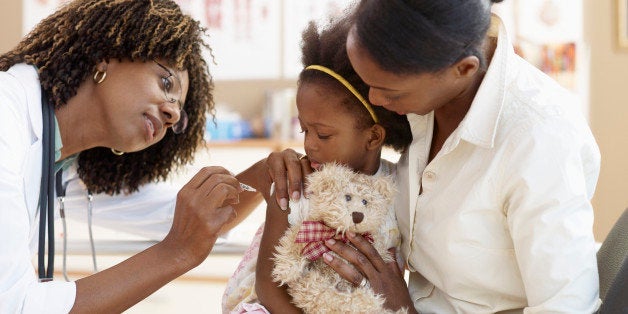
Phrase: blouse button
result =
(430, 175)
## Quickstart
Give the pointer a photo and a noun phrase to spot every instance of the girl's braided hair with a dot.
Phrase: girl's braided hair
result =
(67, 46)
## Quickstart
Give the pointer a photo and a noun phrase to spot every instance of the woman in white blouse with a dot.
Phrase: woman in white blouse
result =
(494, 194)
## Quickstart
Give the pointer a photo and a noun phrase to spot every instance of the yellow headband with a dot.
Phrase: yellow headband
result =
(348, 86)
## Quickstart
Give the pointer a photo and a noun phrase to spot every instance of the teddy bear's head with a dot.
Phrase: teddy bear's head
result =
(348, 201)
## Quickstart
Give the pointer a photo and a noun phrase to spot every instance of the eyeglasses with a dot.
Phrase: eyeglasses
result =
(171, 85)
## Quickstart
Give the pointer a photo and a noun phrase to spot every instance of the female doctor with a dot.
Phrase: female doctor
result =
(125, 90)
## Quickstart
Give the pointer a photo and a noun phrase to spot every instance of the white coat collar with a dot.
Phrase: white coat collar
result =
(27, 76)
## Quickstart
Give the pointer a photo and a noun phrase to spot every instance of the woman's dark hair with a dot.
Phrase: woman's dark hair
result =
(418, 36)
(67, 46)
(327, 48)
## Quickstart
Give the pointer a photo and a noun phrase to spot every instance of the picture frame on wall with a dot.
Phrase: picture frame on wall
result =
(622, 23)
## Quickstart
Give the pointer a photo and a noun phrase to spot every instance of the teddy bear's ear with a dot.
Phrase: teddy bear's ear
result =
(332, 177)
(384, 186)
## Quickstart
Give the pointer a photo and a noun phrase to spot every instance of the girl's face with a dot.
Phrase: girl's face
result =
(141, 100)
(415, 93)
(329, 128)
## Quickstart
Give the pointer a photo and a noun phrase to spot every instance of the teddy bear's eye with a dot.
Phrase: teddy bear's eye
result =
(364, 202)
(347, 197)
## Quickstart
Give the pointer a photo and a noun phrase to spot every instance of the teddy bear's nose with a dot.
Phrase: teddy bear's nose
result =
(357, 217)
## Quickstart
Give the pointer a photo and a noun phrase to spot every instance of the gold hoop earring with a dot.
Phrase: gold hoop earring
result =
(116, 152)
(99, 77)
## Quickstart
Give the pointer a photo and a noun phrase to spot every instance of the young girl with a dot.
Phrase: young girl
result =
(339, 126)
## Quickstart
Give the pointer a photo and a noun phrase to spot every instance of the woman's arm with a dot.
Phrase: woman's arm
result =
(550, 217)
(200, 213)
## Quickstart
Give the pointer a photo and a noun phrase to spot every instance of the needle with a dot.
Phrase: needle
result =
(247, 187)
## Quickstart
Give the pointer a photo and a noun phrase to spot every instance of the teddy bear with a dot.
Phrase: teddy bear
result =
(339, 200)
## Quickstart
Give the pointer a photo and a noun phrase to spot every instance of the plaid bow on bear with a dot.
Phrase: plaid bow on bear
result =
(314, 233)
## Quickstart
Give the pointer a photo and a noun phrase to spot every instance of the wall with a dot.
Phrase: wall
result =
(248, 96)
(608, 111)
(11, 24)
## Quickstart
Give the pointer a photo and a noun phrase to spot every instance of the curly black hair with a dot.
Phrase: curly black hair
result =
(67, 46)
(327, 48)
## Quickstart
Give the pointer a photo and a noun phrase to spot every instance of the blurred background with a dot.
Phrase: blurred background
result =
(583, 44)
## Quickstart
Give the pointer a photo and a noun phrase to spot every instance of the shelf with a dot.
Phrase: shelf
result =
(275, 145)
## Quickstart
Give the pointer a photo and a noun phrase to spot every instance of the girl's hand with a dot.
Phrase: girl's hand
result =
(384, 278)
(288, 170)
(201, 210)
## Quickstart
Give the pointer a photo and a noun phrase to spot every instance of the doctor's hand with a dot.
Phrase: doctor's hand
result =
(288, 170)
(201, 210)
(384, 278)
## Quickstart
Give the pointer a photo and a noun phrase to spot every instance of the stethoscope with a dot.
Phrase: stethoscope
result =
(60, 189)
(46, 202)
(46, 194)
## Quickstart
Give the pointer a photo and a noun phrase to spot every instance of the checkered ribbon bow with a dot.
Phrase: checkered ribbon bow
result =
(314, 233)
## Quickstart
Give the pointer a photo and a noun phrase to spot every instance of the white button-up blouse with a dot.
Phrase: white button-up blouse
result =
(504, 221)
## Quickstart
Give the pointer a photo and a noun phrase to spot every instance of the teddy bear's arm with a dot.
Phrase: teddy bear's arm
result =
(274, 297)
(288, 261)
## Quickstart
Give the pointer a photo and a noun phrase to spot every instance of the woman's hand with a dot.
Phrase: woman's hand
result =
(288, 170)
(384, 278)
(202, 209)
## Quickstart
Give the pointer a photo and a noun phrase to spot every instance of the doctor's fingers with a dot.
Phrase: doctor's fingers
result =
(207, 207)
(208, 179)
(217, 190)
(205, 173)
(195, 229)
